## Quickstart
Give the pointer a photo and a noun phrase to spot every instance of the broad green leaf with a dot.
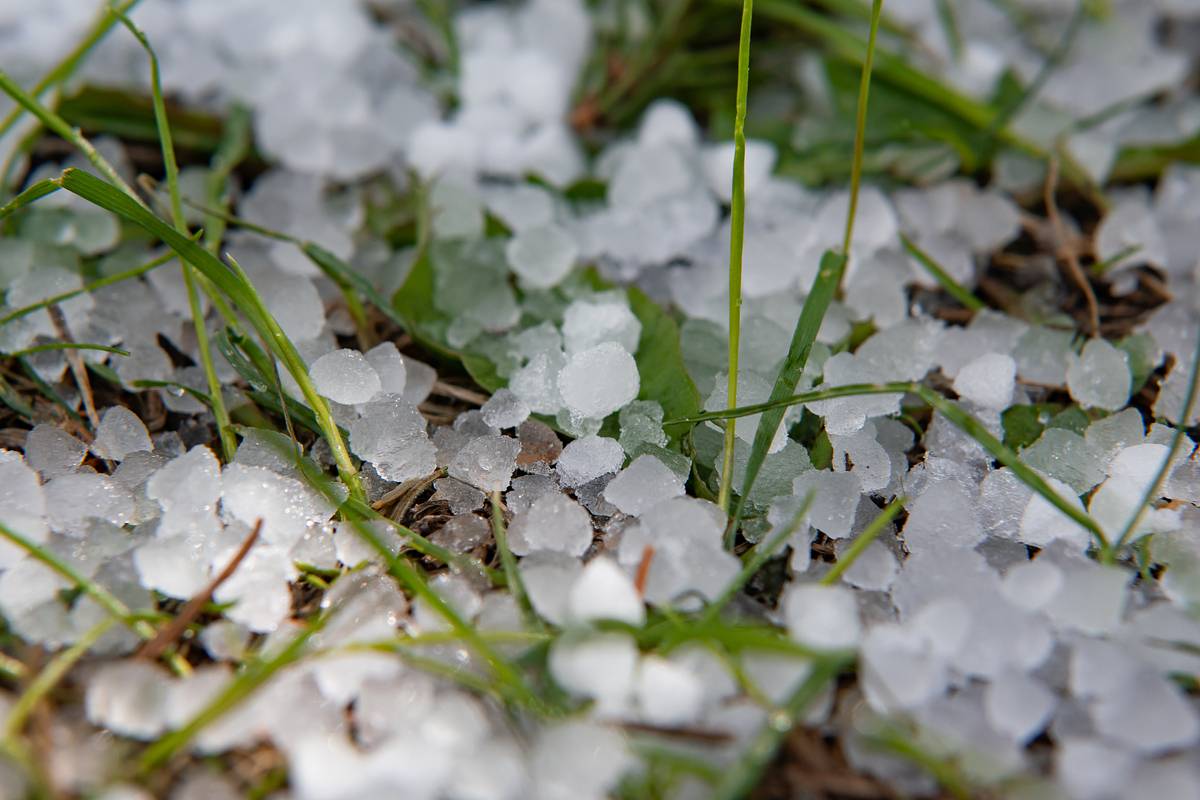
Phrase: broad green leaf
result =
(664, 378)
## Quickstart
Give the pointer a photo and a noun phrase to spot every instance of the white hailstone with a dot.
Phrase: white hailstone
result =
(667, 121)
(22, 503)
(456, 210)
(1090, 769)
(1091, 599)
(548, 578)
(224, 640)
(591, 321)
(190, 483)
(457, 592)
(73, 499)
(537, 382)
(604, 591)
(601, 667)
(1150, 714)
(835, 497)
(129, 698)
(588, 458)
(520, 206)
(943, 515)
(1119, 499)
(293, 300)
(504, 410)
(598, 381)
(486, 462)
(1099, 377)
(687, 560)
(391, 434)
(645, 483)
(717, 160)
(873, 570)
(668, 694)
(987, 381)
(1017, 705)
(541, 257)
(1110, 435)
(899, 671)
(1067, 457)
(847, 415)
(52, 451)
(555, 523)
(578, 758)
(824, 617)
(120, 433)
(419, 379)
(287, 507)
(389, 365)
(1043, 523)
(345, 376)
(1032, 585)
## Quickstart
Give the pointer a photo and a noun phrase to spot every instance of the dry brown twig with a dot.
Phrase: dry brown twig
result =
(1066, 250)
(169, 633)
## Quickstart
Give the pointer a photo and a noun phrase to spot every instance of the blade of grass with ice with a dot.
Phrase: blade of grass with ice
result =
(952, 412)
(820, 295)
(59, 126)
(51, 676)
(232, 282)
(171, 170)
(863, 541)
(955, 289)
(737, 235)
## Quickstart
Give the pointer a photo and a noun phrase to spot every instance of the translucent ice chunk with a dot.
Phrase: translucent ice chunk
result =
(120, 433)
(345, 376)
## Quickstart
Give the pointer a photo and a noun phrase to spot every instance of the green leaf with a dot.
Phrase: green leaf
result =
(664, 378)
(1144, 356)
(413, 301)
(348, 280)
(825, 285)
(1023, 424)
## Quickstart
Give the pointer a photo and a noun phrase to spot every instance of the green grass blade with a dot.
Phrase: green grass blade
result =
(757, 557)
(60, 127)
(117, 277)
(512, 575)
(35, 192)
(350, 282)
(860, 125)
(1006, 456)
(955, 289)
(737, 236)
(106, 599)
(953, 413)
(51, 676)
(171, 170)
(232, 282)
(234, 147)
(862, 541)
(42, 348)
(829, 277)
(1155, 487)
(250, 679)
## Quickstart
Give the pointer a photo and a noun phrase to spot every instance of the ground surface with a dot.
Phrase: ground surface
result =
(367, 427)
